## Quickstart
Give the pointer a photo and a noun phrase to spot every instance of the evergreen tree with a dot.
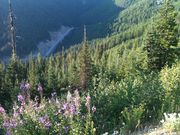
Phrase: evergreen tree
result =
(154, 51)
(51, 77)
(162, 42)
(85, 64)
(32, 74)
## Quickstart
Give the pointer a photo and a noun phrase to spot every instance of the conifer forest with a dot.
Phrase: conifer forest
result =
(90, 67)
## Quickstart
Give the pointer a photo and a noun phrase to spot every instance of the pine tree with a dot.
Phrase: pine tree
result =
(85, 64)
(168, 33)
(154, 51)
(32, 74)
(51, 77)
(161, 43)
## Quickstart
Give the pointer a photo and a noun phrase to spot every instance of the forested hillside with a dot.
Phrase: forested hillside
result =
(118, 85)
(36, 19)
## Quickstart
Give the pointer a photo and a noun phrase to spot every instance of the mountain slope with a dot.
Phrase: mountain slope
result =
(35, 19)
(117, 20)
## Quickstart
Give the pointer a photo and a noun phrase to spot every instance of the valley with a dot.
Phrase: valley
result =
(35, 22)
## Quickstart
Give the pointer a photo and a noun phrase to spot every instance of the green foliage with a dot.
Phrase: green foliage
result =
(170, 79)
(163, 40)
(85, 63)
(132, 117)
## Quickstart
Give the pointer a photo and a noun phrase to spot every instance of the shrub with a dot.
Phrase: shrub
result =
(170, 80)
(132, 117)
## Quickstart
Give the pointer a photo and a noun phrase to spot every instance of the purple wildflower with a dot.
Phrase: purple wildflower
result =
(21, 109)
(8, 133)
(45, 121)
(42, 119)
(22, 86)
(2, 111)
(72, 109)
(20, 98)
(13, 123)
(47, 124)
(10, 123)
(27, 86)
(65, 106)
(6, 123)
(88, 102)
(77, 100)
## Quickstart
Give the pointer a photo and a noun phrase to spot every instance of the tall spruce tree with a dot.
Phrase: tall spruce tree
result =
(51, 77)
(154, 51)
(162, 41)
(32, 75)
(85, 64)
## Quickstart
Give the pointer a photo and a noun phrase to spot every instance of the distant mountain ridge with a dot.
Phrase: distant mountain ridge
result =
(120, 20)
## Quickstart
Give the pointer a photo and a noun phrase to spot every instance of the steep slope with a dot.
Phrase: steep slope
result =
(120, 21)
(35, 19)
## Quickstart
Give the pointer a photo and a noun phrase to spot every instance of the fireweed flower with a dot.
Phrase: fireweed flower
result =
(66, 109)
(22, 86)
(13, 123)
(65, 106)
(21, 110)
(6, 123)
(47, 124)
(10, 123)
(27, 86)
(20, 98)
(45, 121)
(77, 100)
(42, 119)
(8, 133)
(72, 109)
(88, 102)
(69, 109)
